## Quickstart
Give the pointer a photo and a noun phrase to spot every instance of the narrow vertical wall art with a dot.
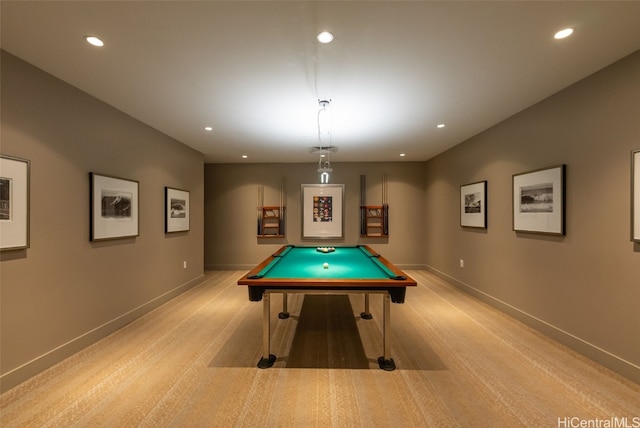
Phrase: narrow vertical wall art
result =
(635, 195)
(473, 205)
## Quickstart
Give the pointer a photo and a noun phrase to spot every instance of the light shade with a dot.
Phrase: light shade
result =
(324, 118)
(324, 129)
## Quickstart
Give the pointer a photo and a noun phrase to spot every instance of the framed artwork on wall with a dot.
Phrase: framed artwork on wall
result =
(114, 207)
(14, 203)
(322, 210)
(176, 210)
(473, 205)
(635, 195)
(539, 201)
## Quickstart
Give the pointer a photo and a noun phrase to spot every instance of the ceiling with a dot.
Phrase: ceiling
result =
(254, 71)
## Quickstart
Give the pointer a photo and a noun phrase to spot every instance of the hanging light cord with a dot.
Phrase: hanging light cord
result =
(327, 163)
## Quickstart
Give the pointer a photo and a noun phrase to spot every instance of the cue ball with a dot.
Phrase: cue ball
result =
(326, 265)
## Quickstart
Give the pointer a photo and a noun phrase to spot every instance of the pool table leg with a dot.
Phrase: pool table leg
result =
(267, 359)
(366, 315)
(386, 362)
(285, 312)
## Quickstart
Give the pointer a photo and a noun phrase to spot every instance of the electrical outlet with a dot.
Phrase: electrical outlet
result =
(184, 264)
(461, 263)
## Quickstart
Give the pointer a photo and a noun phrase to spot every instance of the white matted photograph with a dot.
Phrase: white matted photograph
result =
(635, 195)
(14, 203)
(473, 205)
(539, 201)
(114, 207)
(322, 210)
(176, 207)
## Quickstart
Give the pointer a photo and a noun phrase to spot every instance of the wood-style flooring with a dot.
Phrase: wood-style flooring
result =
(192, 363)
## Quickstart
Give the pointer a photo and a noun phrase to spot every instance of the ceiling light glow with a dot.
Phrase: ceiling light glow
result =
(208, 128)
(402, 155)
(563, 33)
(325, 37)
(94, 41)
(441, 125)
(244, 156)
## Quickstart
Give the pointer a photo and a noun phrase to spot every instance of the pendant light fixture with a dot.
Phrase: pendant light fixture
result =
(324, 136)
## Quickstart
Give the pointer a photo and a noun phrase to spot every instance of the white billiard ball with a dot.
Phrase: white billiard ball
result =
(326, 265)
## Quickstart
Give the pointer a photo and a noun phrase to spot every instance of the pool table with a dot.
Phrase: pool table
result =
(326, 270)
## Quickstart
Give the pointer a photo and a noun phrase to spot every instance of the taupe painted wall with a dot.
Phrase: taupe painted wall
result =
(583, 288)
(66, 292)
(231, 219)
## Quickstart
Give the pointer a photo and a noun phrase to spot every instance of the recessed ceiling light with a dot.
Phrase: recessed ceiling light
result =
(208, 128)
(325, 37)
(94, 41)
(402, 155)
(441, 125)
(563, 33)
(244, 156)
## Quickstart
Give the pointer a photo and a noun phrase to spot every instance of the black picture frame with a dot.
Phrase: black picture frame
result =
(176, 210)
(539, 201)
(114, 209)
(473, 205)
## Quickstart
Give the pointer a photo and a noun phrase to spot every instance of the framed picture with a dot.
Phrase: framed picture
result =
(473, 205)
(14, 203)
(635, 195)
(114, 207)
(322, 210)
(539, 201)
(176, 210)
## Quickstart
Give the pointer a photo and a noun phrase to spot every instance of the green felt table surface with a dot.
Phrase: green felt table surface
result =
(344, 263)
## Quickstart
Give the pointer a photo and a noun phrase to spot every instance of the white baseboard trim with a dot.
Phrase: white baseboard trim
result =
(20, 374)
(611, 361)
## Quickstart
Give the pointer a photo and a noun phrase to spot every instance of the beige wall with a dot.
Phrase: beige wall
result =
(231, 219)
(583, 288)
(65, 292)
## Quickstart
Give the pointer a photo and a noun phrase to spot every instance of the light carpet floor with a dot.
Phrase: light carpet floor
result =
(192, 363)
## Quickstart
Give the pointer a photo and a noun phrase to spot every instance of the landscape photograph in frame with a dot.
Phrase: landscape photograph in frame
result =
(539, 201)
(114, 207)
(176, 210)
(473, 205)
